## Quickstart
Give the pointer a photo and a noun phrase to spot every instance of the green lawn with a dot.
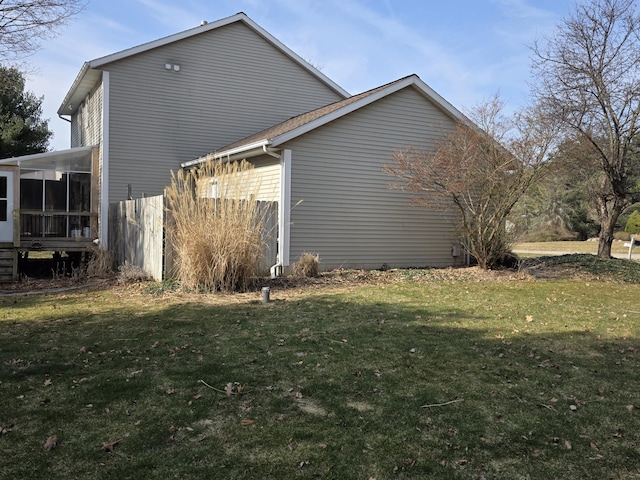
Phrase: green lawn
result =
(414, 378)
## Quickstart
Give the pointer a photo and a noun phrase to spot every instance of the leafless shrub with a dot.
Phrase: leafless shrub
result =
(100, 263)
(128, 273)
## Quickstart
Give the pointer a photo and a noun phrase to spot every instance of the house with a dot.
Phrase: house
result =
(325, 168)
(139, 114)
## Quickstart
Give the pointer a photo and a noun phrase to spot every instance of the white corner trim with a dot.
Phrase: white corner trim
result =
(284, 207)
(103, 218)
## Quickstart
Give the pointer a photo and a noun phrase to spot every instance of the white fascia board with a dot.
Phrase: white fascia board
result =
(238, 17)
(234, 152)
(412, 80)
(439, 100)
(99, 62)
(44, 155)
(74, 86)
(295, 57)
(296, 132)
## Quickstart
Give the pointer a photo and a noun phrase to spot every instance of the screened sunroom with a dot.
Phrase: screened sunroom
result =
(57, 199)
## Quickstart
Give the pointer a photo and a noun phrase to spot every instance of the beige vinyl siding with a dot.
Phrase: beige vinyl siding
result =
(231, 83)
(262, 183)
(348, 214)
(86, 123)
(267, 174)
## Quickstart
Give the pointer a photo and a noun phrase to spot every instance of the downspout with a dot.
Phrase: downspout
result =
(274, 268)
(284, 209)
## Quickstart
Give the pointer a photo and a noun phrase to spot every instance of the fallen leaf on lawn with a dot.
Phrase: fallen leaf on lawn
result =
(567, 445)
(323, 446)
(233, 388)
(247, 423)
(594, 445)
(529, 318)
(171, 391)
(51, 443)
(109, 446)
(48, 382)
(358, 373)
(630, 408)
(197, 396)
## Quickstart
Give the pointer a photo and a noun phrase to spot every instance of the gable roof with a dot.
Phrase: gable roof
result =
(301, 124)
(91, 72)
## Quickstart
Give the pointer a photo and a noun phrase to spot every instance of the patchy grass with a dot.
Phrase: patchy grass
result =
(570, 247)
(419, 377)
(586, 266)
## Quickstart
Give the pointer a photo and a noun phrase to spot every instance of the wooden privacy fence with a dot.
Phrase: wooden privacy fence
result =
(137, 235)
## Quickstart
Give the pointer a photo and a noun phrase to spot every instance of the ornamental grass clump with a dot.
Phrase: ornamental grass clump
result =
(217, 226)
(307, 266)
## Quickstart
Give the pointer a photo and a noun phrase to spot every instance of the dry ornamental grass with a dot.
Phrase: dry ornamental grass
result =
(217, 226)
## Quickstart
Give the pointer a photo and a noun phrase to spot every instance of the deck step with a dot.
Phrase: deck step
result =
(8, 264)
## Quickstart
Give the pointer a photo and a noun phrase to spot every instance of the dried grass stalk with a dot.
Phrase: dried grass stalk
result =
(100, 264)
(217, 226)
(307, 265)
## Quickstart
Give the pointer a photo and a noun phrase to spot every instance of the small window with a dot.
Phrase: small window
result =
(4, 214)
(3, 187)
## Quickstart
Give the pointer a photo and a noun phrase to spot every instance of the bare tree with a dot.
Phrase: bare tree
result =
(589, 80)
(483, 169)
(23, 23)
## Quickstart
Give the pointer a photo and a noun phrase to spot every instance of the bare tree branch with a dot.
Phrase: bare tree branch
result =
(589, 80)
(482, 170)
(23, 24)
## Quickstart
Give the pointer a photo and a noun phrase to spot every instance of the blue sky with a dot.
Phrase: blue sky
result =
(466, 50)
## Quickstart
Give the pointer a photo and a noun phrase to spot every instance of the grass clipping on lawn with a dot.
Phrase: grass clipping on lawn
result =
(217, 225)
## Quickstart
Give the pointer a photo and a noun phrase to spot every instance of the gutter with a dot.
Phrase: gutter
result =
(261, 145)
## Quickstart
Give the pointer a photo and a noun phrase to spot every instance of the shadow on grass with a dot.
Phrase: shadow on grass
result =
(326, 386)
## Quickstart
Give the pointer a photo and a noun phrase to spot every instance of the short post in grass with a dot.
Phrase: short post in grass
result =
(631, 244)
(266, 291)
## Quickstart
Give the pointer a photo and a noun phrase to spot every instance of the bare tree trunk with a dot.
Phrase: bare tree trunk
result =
(608, 215)
(605, 239)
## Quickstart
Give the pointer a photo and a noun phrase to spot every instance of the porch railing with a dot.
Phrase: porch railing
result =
(39, 224)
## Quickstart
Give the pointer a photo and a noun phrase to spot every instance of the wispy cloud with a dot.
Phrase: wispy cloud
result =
(465, 49)
(186, 15)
